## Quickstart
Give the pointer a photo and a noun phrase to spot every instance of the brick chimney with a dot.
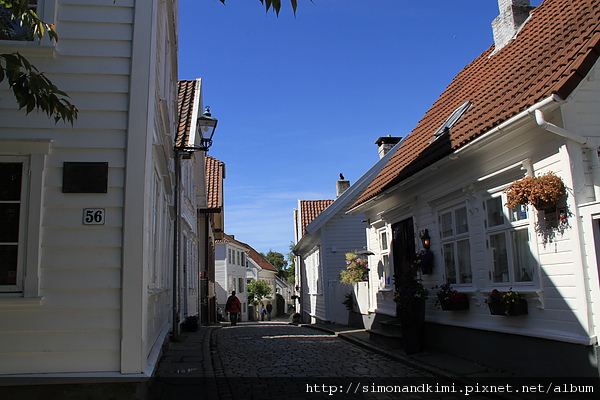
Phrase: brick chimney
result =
(513, 14)
(385, 144)
(341, 186)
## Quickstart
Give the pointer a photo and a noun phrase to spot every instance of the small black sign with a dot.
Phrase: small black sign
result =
(85, 177)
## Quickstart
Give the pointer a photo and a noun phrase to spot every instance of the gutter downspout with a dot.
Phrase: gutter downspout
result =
(584, 142)
(592, 145)
(176, 246)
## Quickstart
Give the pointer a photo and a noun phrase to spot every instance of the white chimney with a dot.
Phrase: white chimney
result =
(341, 186)
(513, 13)
(385, 144)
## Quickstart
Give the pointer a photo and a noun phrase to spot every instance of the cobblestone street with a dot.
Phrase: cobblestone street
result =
(280, 360)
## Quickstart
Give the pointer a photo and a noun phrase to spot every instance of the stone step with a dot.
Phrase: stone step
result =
(391, 325)
(387, 338)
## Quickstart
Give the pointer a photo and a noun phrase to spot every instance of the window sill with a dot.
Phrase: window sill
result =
(28, 49)
(12, 302)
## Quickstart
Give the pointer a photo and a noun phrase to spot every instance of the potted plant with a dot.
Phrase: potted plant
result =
(296, 317)
(357, 269)
(450, 299)
(507, 303)
(190, 324)
(542, 192)
(410, 299)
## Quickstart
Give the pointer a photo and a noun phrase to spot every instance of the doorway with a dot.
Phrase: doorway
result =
(403, 249)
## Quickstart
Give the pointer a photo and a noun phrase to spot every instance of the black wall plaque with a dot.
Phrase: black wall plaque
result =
(85, 177)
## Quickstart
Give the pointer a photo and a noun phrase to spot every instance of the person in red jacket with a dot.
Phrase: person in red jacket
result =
(233, 307)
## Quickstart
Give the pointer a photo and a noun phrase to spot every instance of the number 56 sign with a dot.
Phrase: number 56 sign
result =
(93, 216)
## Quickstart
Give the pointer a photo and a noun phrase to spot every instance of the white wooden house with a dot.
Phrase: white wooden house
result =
(230, 273)
(527, 106)
(324, 233)
(87, 258)
(261, 270)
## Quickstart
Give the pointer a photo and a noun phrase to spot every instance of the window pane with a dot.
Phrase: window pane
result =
(10, 181)
(519, 213)
(449, 262)
(8, 264)
(386, 269)
(523, 269)
(446, 223)
(13, 30)
(464, 261)
(9, 222)
(384, 243)
(460, 216)
(499, 257)
(495, 216)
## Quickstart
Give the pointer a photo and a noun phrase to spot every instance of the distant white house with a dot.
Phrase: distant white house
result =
(230, 273)
(324, 234)
(525, 107)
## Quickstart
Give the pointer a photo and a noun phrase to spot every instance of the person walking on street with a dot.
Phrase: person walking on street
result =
(263, 312)
(269, 310)
(233, 307)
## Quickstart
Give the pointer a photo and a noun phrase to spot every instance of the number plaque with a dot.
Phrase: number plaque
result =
(93, 216)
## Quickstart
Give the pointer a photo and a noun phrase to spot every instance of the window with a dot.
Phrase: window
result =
(386, 276)
(12, 222)
(12, 30)
(241, 284)
(508, 242)
(456, 248)
(313, 272)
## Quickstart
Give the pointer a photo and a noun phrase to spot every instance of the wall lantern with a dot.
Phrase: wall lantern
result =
(425, 239)
(207, 125)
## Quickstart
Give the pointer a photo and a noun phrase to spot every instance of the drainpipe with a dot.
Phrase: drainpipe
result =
(584, 142)
(176, 245)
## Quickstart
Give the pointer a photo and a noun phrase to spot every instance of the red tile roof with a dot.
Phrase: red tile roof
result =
(215, 173)
(552, 54)
(185, 110)
(310, 209)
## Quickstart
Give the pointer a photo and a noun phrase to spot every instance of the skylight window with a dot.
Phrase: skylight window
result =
(453, 119)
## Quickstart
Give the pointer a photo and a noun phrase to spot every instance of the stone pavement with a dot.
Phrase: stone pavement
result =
(281, 360)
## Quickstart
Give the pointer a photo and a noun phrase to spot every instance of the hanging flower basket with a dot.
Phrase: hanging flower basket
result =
(542, 192)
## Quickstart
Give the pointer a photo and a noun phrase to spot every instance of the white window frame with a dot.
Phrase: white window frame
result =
(312, 264)
(21, 238)
(386, 277)
(514, 221)
(454, 238)
(34, 153)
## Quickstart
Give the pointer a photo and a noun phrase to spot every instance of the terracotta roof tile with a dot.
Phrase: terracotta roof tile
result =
(215, 173)
(554, 51)
(185, 110)
(310, 209)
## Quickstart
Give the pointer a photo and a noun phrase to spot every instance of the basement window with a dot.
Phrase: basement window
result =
(453, 119)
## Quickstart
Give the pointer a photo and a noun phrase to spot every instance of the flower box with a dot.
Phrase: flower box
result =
(516, 309)
(496, 308)
(456, 304)
(507, 303)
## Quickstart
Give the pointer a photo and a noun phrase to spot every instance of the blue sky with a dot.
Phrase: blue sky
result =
(302, 99)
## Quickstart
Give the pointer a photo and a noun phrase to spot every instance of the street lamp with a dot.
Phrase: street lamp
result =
(207, 125)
